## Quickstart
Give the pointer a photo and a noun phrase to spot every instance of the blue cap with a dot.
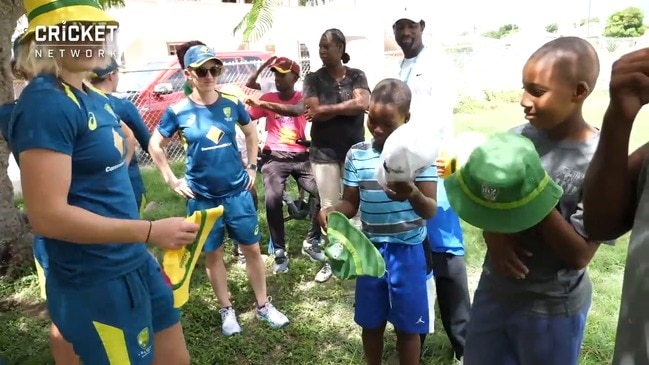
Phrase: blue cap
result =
(196, 56)
(100, 73)
(16, 45)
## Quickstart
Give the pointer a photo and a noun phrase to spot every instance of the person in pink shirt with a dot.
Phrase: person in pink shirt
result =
(284, 157)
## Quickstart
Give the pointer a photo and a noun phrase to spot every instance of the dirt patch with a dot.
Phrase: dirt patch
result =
(28, 308)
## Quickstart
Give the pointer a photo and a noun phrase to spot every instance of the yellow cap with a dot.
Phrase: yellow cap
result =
(53, 12)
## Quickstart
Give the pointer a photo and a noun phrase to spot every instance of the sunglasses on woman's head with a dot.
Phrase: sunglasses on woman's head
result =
(202, 71)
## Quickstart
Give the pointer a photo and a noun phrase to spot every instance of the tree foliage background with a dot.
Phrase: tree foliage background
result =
(15, 237)
(502, 32)
(259, 20)
(625, 23)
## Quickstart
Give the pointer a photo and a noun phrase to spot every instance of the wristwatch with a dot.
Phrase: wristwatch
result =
(251, 166)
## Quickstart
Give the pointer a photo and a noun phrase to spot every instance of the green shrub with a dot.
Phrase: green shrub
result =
(489, 100)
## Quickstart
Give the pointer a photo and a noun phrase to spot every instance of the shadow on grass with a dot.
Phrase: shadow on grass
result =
(322, 329)
(24, 326)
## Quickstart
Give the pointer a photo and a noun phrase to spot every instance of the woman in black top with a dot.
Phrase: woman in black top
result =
(335, 100)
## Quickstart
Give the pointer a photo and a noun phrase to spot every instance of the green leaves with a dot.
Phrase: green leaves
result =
(627, 23)
(257, 21)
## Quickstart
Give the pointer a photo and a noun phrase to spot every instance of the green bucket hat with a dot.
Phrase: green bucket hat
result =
(503, 186)
(350, 252)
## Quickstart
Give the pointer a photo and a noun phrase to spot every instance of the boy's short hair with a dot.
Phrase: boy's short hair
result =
(393, 91)
(574, 57)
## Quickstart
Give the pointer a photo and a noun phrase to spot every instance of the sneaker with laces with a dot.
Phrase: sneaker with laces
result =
(281, 262)
(311, 248)
(268, 313)
(324, 274)
(229, 324)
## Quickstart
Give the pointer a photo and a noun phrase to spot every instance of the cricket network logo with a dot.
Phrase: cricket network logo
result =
(76, 40)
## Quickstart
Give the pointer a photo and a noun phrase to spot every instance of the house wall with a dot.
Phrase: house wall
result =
(147, 25)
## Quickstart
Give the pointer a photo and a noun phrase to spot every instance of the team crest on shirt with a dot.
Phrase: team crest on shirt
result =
(143, 338)
(227, 113)
(119, 143)
(214, 135)
(144, 341)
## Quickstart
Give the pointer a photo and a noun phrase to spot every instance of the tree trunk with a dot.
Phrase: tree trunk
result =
(15, 239)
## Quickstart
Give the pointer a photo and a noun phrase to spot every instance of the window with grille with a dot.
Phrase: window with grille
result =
(171, 47)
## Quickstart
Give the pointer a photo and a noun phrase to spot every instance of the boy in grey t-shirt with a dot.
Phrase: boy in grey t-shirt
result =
(616, 200)
(533, 298)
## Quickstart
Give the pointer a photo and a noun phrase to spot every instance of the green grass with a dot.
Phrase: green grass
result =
(322, 330)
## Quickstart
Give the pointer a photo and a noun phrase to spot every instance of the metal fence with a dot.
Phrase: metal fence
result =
(156, 90)
(478, 68)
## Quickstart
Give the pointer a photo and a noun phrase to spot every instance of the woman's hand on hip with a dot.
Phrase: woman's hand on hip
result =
(252, 176)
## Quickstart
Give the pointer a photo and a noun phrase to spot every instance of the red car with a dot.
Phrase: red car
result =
(159, 83)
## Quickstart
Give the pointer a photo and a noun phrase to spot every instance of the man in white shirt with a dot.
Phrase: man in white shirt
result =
(429, 74)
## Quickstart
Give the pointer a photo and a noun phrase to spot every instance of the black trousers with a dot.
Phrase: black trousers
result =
(276, 170)
(452, 297)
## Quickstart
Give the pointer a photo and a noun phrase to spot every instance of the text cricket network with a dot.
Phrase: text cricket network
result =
(76, 40)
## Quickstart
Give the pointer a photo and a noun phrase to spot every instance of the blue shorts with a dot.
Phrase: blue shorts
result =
(402, 296)
(239, 217)
(500, 334)
(113, 322)
(42, 263)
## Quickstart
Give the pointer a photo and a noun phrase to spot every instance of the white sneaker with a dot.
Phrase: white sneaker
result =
(324, 274)
(229, 324)
(268, 313)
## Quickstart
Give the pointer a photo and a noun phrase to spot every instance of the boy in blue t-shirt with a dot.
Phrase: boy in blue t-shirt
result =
(394, 220)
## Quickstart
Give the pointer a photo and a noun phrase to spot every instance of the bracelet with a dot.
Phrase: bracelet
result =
(148, 235)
